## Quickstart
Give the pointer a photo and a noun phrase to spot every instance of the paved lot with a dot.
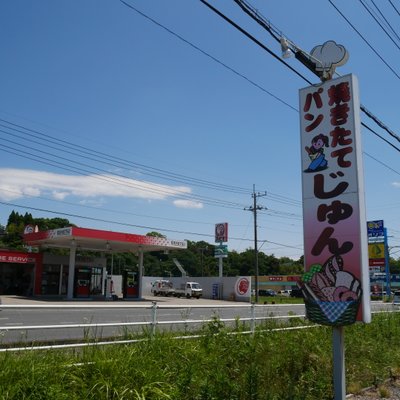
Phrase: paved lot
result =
(20, 300)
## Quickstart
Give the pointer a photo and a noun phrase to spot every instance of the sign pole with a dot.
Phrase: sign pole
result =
(220, 267)
(339, 379)
(388, 290)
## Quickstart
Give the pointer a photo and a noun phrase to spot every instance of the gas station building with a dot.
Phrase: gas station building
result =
(75, 276)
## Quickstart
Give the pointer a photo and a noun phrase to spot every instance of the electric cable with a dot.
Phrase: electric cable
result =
(394, 7)
(140, 186)
(151, 228)
(86, 154)
(108, 178)
(363, 38)
(379, 136)
(208, 55)
(126, 163)
(274, 32)
(368, 113)
(382, 163)
(381, 26)
(386, 20)
(252, 38)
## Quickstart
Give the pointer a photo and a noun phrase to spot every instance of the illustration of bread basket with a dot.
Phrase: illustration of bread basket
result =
(332, 295)
(334, 313)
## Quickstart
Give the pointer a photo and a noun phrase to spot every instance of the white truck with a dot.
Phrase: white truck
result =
(189, 289)
(162, 287)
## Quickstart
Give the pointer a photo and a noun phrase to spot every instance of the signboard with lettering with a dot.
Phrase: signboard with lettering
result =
(376, 254)
(221, 251)
(221, 232)
(375, 229)
(336, 280)
(17, 258)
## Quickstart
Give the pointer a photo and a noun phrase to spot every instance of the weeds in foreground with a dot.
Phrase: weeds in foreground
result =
(268, 365)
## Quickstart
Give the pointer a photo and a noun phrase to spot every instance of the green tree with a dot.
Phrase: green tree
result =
(16, 223)
(394, 265)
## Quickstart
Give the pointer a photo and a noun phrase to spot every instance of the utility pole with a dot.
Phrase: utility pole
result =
(202, 256)
(254, 208)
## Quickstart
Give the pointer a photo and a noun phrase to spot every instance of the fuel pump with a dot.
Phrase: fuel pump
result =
(82, 282)
(130, 284)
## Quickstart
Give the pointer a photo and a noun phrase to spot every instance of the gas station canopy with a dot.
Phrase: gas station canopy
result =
(98, 240)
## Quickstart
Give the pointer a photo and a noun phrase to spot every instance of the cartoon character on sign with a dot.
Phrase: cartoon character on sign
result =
(221, 232)
(242, 286)
(316, 153)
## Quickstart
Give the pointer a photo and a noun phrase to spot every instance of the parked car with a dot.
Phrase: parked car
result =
(296, 293)
(266, 292)
(396, 297)
(285, 292)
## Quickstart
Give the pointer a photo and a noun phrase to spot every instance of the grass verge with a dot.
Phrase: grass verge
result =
(268, 365)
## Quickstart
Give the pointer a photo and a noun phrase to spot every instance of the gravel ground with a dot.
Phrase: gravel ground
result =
(389, 390)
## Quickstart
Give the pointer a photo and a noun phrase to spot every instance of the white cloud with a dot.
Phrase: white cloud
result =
(187, 204)
(98, 202)
(59, 195)
(18, 183)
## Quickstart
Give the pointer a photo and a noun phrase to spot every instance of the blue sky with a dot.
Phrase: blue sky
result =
(156, 135)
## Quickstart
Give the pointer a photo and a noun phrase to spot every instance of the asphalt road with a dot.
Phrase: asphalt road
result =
(24, 313)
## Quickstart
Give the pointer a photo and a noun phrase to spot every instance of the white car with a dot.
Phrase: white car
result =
(285, 292)
(396, 297)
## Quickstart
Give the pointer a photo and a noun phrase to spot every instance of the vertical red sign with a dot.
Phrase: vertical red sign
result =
(336, 280)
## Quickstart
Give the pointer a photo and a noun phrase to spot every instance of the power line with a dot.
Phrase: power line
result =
(363, 38)
(124, 223)
(156, 172)
(89, 154)
(394, 7)
(209, 55)
(379, 122)
(125, 213)
(152, 228)
(379, 136)
(376, 20)
(252, 38)
(386, 20)
(109, 178)
(255, 15)
(274, 31)
(382, 163)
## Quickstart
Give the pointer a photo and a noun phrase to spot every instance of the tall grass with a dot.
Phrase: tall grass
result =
(268, 365)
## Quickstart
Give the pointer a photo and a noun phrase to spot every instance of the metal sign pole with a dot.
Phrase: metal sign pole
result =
(220, 264)
(387, 268)
(339, 378)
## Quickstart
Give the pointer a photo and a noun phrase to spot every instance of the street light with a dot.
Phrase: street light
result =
(286, 51)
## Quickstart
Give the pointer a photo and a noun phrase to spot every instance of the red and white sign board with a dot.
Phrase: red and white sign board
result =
(221, 232)
(17, 258)
(242, 287)
(336, 278)
(101, 240)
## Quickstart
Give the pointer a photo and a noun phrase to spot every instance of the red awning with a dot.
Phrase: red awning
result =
(98, 240)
